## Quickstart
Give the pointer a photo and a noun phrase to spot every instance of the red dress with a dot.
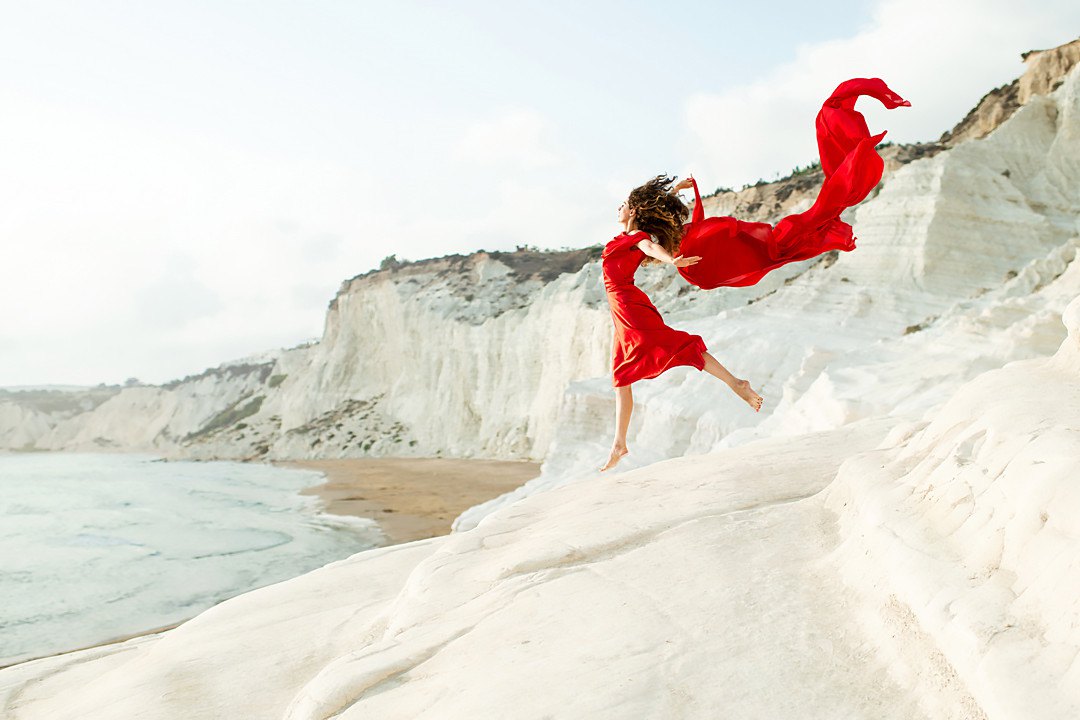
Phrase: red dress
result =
(734, 252)
(644, 346)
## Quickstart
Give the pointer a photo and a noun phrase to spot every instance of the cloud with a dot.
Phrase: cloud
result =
(943, 57)
(515, 137)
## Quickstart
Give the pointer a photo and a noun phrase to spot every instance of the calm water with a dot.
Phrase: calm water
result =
(93, 546)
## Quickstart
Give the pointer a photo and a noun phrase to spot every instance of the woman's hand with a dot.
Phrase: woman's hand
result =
(683, 184)
(680, 261)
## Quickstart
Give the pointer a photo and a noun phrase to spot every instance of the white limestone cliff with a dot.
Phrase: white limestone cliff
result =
(21, 425)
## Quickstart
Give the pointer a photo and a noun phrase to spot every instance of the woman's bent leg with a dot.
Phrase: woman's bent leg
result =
(740, 387)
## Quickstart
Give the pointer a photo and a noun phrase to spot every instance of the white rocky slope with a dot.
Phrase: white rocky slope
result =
(886, 569)
(962, 539)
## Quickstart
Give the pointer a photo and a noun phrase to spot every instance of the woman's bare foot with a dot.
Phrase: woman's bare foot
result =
(742, 389)
(617, 451)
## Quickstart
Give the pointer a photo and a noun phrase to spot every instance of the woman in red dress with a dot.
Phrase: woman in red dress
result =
(644, 346)
(726, 251)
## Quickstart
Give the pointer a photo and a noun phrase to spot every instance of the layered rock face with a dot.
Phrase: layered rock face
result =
(960, 538)
(460, 356)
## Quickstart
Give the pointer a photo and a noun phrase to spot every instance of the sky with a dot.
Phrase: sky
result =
(188, 183)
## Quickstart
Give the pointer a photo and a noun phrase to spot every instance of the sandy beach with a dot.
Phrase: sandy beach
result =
(411, 498)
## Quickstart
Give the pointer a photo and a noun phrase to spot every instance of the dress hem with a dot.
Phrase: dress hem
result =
(698, 345)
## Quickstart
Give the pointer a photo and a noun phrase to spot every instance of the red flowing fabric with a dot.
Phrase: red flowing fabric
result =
(735, 253)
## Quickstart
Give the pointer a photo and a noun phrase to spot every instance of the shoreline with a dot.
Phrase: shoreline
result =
(409, 498)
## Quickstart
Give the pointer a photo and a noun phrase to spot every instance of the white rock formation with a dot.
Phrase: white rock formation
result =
(885, 569)
(21, 425)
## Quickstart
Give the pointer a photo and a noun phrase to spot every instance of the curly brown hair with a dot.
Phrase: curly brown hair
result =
(659, 212)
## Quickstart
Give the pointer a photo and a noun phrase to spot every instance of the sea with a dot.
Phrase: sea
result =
(96, 546)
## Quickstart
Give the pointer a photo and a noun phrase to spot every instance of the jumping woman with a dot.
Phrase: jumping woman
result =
(725, 251)
(652, 218)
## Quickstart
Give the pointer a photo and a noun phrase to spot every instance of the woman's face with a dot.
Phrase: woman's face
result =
(624, 211)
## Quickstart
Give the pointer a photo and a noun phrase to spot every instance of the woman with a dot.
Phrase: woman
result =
(644, 346)
(728, 252)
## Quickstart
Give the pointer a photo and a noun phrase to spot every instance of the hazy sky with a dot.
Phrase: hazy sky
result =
(188, 183)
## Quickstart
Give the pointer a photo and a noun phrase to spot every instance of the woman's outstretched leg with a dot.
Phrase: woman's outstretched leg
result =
(740, 387)
(624, 405)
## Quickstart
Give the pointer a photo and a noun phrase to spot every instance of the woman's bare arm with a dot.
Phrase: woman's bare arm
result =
(656, 250)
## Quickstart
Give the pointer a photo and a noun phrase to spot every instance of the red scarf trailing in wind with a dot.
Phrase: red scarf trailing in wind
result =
(735, 253)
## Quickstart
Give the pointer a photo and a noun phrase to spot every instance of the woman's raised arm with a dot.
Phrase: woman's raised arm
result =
(699, 212)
